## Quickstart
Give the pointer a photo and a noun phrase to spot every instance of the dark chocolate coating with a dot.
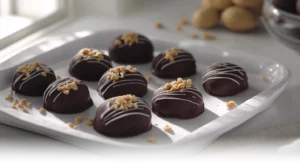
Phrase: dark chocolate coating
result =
(286, 5)
(133, 83)
(35, 85)
(123, 123)
(184, 104)
(75, 102)
(184, 65)
(141, 52)
(224, 79)
(89, 69)
(298, 7)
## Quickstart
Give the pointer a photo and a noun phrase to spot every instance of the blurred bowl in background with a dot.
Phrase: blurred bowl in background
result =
(282, 25)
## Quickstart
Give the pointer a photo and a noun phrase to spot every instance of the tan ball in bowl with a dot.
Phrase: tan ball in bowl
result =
(205, 18)
(238, 19)
(216, 4)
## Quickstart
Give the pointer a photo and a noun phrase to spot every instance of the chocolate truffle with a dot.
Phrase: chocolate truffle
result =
(131, 48)
(123, 116)
(89, 64)
(178, 99)
(122, 80)
(224, 79)
(33, 79)
(286, 5)
(174, 63)
(67, 96)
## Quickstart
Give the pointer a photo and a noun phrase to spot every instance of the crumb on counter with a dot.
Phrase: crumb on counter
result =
(42, 110)
(71, 125)
(79, 119)
(184, 21)
(209, 36)
(159, 25)
(230, 104)
(89, 122)
(179, 28)
(149, 78)
(152, 140)
(168, 129)
(194, 36)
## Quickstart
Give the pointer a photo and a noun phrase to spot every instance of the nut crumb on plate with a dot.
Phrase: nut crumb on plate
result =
(159, 25)
(78, 119)
(230, 104)
(29, 104)
(168, 129)
(152, 140)
(20, 106)
(23, 101)
(25, 111)
(71, 125)
(9, 98)
(89, 122)
(149, 78)
(42, 110)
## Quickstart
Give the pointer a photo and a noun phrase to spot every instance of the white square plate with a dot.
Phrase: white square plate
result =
(189, 135)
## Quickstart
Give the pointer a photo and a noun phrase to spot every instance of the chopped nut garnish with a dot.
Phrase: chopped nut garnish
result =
(208, 36)
(159, 25)
(149, 78)
(194, 36)
(66, 92)
(117, 42)
(10, 98)
(178, 85)
(119, 72)
(171, 53)
(14, 107)
(58, 77)
(23, 101)
(130, 38)
(152, 140)
(46, 70)
(15, 102)
(66, 88)
(168, 129)
(78, 119)
(44, 74)
(90, 54)
(214, 65)
(25, 111)
(89, 122)
(184, 21)
(178, 28)
(20, 106)
(71, 125)
(42, 110)
(27, 69)
(230, 105)
(124, 102)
